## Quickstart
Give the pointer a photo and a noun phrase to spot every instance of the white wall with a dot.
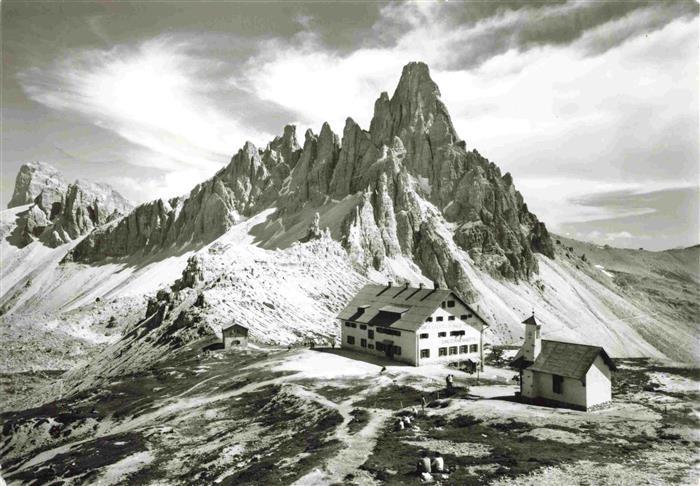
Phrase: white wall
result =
(598, 383)
(410, 352)
(597, 388)
(471, 325)
(229, 339)
(573, 391)
(406, 341)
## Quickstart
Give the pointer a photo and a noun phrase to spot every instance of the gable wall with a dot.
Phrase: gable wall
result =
(598, 384)
(471, 325)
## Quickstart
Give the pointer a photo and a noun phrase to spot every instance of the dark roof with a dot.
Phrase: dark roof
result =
(531, 320)
(568, 359)
(233, 325)
(399, 307)
(519, 363)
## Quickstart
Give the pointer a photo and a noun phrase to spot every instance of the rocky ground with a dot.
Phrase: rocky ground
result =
(278, 416)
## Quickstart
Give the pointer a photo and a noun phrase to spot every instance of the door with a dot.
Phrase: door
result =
(389, 349)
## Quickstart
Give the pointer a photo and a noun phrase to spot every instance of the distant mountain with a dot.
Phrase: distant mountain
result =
(59, 211)
(407, 187)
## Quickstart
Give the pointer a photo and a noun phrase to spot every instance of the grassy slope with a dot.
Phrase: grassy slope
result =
(665, 285)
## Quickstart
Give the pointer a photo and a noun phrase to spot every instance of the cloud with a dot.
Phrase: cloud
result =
(574, 99)
(484, 30)
(159, 95)
(535, 109)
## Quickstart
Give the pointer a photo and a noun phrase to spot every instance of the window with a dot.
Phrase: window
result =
(363, 343)
(370, 334)
(473, 348)
(425, 353)
(442, 305)
(363, 326)
(457, 333)
(463, 349)
(351, 340)
(438, 318)
(347, 324)
(450, 303)
(424, 335)
(397, 350)
(350, 324)
(557, 383)
(386, 330)
(537, 332)
(442, 352)
(380, 346)
(370, 346)
(442, 334)
(451, 318)
(453, 350)
(464, 316)
(429, 319)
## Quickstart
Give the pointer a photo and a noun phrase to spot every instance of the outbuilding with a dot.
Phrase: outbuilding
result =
(415, 325)
(561, 373)
(234, 336)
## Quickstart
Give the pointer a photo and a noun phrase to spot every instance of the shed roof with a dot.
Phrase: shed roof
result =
(572, 360)
(234, 326)
(400, 307)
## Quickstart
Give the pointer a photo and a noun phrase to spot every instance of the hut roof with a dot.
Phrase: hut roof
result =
(572, 360)
(399, 307)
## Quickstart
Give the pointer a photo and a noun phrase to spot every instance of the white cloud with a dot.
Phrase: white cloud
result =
(155, 95)
(564, 121)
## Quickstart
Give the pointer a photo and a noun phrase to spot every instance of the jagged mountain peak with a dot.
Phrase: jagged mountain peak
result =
(415, 79)
(415, 107)
(405, 188)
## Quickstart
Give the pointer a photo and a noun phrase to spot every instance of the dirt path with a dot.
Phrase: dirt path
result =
(358, 448)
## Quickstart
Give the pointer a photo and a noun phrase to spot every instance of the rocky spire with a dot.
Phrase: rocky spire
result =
(415, 107)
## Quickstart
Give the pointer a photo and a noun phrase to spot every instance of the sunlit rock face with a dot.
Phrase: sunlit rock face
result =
(419, 194)
(37, 179)
(59, 211)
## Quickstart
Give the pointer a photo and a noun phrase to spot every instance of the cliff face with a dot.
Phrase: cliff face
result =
(423, 195)
(59, 211)
(34, 179)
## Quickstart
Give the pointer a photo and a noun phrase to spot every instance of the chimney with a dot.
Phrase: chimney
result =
(389, 284)
(406, 285)
(436, 285)
(420, 285)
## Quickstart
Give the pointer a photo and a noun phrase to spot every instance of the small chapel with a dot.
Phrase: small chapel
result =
(561, 373)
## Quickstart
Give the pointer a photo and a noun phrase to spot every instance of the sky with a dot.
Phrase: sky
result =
(592, 106)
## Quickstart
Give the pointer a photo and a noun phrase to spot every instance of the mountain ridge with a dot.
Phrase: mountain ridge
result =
(411, 171)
